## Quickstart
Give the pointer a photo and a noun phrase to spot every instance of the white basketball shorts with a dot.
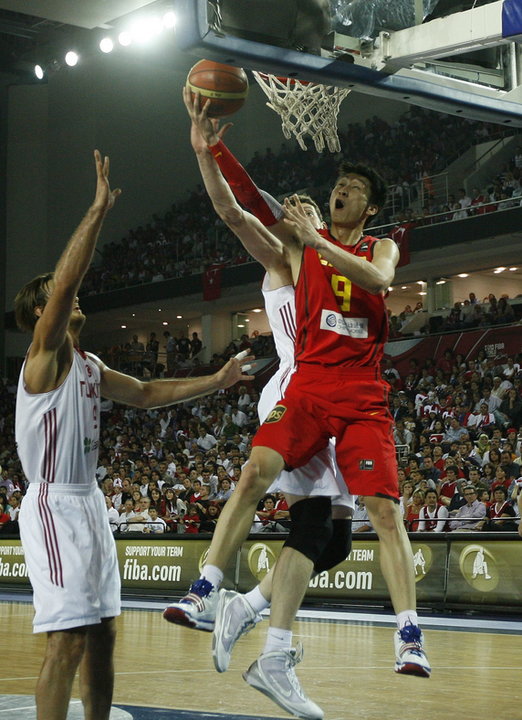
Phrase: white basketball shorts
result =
(70, 555)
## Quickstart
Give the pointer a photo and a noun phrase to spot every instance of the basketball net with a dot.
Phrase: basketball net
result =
(305, 108)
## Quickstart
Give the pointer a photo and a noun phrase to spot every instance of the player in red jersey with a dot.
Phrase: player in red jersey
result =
(340, 277)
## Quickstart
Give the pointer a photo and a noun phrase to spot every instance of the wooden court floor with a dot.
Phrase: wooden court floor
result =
(347, 670)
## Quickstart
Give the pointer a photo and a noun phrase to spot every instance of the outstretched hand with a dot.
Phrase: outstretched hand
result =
(232, 372)
(302, 226)
(105, 197)
(205, 131)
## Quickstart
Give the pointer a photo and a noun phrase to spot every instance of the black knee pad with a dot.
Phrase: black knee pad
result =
(339, 546)
(311, 528)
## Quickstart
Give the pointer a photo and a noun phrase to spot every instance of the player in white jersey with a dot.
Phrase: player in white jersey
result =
(313, 544)
(69, 549)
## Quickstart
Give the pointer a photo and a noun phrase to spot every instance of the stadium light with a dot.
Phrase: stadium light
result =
(39, 72)
(169, 20)
(144, 30)
(106, 45)
(124, 38)
(71, 58)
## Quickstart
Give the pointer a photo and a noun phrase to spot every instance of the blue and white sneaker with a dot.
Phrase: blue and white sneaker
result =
(234, 617)
(197, 609)
(410, 656)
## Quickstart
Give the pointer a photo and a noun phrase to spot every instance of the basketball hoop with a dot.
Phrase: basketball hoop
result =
(305, 108)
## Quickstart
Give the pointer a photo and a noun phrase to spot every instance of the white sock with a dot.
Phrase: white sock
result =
(213, 574)
(407, 617)
(277, 639)
(257, 600)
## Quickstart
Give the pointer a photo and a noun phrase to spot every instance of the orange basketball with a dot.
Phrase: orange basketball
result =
(225, 85)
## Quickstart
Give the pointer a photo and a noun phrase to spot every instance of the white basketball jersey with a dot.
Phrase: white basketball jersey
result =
(280, 310)
(57, 432)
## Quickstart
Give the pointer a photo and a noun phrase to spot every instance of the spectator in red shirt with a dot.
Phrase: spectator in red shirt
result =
(191, 519)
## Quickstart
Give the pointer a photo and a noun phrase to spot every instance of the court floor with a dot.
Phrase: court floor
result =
(165, 672)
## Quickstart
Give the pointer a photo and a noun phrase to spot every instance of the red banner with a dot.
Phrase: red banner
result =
(401, 235)
(212, 282)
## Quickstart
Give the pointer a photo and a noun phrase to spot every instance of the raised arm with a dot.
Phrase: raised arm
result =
(50, 352)
(262, 244)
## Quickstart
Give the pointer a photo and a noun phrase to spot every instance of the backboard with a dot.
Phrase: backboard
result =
(467, 63)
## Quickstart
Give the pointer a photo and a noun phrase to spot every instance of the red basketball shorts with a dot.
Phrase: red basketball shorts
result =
(350, 404)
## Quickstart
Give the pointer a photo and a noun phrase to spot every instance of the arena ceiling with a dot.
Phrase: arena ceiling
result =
(51, 22)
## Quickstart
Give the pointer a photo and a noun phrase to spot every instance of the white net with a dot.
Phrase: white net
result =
(305, 109)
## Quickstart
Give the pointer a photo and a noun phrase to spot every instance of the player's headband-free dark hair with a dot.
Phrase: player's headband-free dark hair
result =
(378, 186)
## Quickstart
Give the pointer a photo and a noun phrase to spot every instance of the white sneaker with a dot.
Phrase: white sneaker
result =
(234, 617)
(197, 609)
(273, 674)
(410, 656)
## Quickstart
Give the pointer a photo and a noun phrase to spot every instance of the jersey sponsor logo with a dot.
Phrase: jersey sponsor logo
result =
(276, 414)
(89, 445)
(349, 326)
(366, 464)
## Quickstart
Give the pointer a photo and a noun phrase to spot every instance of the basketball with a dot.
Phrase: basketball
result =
(225, 85)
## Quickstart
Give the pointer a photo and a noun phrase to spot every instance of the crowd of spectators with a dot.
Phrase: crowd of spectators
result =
(464, 315)
(457, 428)
(189, 237)
(458, 432)
(501, 192)
(178, 355)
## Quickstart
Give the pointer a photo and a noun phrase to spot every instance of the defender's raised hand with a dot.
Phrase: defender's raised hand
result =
(298, 219)
(105, 197)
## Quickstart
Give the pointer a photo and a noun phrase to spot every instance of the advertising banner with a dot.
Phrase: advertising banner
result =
(485, 572)
(463, 571)
(12, 564)
(164, 565)
(359, 576)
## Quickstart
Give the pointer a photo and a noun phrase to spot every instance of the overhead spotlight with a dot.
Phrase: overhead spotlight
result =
(441, 282)
(71, 58)
(499, 270)
(390, 289)
(169, 20)
(257, 310)
(179, 317)
(124, 38)
(463, 275)
(164, 322)
(512, 269)
(106, 45)
(39, 72)
(123, 327)
(144, 30)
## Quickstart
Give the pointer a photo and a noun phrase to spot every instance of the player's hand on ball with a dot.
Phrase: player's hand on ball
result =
(202, 131)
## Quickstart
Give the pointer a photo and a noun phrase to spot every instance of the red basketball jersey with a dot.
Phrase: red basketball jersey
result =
(338, 322)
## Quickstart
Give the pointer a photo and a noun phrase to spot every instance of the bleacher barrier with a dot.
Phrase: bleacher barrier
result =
(452, 570)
